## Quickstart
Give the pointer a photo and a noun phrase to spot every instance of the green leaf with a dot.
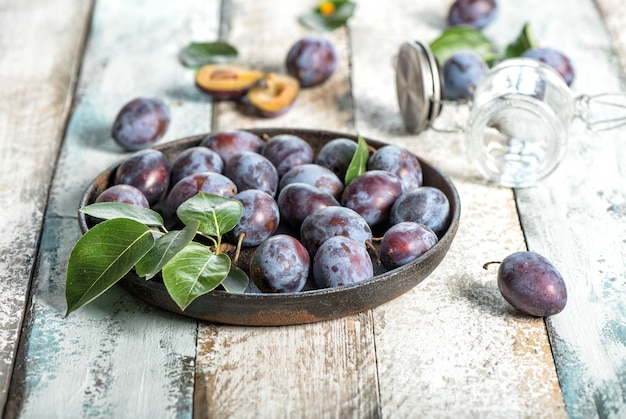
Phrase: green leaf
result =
(111, 210)
(197, 54)
(459, 38)
(217, 215)
(101, 257)
(317, 21)
(194, 271)
(237, 281)
(525, 40)
(164, 250)
(358, 164)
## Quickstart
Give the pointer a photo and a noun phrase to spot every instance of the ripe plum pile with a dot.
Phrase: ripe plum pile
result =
(301, 226)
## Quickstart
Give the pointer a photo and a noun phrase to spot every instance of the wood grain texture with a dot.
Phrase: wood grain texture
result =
(319, 370)
(118, 357)
(577, 218)
(453, 339)
(38, 71)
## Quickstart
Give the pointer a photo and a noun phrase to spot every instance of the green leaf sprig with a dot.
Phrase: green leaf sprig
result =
(328, 15)
(197, 54)
(358, 164)
(459, 38)
(134, 237)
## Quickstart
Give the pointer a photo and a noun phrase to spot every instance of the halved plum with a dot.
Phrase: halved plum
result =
(226, 82)
(274, 94)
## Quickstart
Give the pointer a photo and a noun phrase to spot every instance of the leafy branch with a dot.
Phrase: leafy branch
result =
(134, 237)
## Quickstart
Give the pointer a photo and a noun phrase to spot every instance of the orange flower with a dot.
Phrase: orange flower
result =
(327, 8)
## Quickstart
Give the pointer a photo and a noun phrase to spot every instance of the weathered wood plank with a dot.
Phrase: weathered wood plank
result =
(319, 370)
(453, 339)
(583, 231)
(116, 357)
(41, 45)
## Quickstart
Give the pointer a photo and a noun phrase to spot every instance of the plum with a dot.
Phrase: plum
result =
(141, 123)
(531, 284)
(461, 73)
(147, 170)
(311, 60)
(280, 264)
(555, 59)
(474, 13)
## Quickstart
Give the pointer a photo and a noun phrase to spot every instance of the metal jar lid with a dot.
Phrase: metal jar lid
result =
(418, 86)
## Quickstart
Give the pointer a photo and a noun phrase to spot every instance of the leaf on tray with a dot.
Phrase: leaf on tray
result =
(101, 257)
(111, 210)
(164, 249)
(217, 215)
(237, 281)
(194, 271)
(358, 164)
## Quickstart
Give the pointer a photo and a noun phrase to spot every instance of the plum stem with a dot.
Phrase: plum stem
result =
(486, 265)
(239, 244)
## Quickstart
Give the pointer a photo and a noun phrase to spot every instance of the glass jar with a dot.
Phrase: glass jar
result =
(520, 115)
(519, 122)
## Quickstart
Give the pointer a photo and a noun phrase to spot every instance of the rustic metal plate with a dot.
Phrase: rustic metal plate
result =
(254, 308)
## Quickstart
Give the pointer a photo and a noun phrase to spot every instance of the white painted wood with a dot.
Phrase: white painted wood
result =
(452, 340)
(577, 219)
(318, 370)
(40, 54)
(452, 347)
(117, 357)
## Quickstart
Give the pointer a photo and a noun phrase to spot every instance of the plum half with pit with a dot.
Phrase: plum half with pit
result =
(274, 95)
(226, 82)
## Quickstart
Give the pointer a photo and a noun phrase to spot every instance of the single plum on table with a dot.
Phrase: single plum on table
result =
(461, 74)
(341, 261)
(141, 123)
(312, 60)
(280, 265)
(555, 59)
(404, 242)
(147, 170)
(531, 284)
(474, 13)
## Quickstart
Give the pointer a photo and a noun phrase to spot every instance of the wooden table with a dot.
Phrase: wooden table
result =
(451, 347)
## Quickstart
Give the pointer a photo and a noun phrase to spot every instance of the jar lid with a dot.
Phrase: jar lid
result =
(418, 85)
